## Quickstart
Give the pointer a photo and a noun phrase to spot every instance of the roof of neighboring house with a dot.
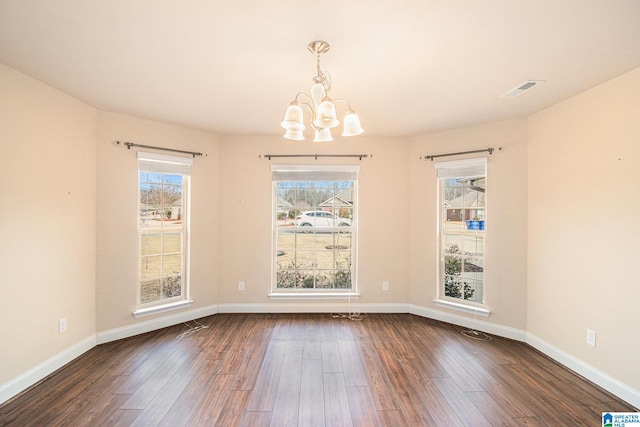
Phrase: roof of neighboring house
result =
(342, 199)
(282, 203)
(470, 200)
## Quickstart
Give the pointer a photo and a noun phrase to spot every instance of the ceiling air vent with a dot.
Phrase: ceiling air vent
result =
(522, 88)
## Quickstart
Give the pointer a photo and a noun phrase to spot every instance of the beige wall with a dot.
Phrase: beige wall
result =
(47, 222)
(117, 256)
(245, 214)
(584, 204)
(506, 258)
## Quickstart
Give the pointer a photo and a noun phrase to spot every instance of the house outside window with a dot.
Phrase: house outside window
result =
(462, 230)
(163, 202)
(314, 229)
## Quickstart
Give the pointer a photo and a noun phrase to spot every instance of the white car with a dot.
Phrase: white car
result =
(321, 219)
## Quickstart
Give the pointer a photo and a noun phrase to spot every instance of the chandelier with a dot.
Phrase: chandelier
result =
(321, 107)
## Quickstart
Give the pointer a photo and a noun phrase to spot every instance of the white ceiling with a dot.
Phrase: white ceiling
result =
(406, 66)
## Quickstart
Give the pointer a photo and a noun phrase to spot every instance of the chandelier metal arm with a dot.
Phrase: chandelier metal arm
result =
(299, 94)
(313, 114)
(310, 107)
(349, 109)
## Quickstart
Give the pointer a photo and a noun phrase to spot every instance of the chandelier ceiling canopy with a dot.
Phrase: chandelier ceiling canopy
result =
(320, 106)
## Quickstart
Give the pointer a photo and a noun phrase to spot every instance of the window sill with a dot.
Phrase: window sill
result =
(149, 311)
(313, 295)
(480, 311)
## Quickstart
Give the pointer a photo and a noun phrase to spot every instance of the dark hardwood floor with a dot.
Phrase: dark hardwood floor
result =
(312, 370)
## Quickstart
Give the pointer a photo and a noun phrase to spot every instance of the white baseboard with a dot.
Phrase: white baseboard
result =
(313, 307)
(154, 324)
(623, 391)
(44, 369)
(468, 322)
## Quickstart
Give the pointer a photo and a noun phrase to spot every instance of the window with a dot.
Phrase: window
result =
(163, 213)
(315, 228)
(462, 227)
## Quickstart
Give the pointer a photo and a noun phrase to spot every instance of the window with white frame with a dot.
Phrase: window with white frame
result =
(462, 229)
(315, 228)
(163, 189)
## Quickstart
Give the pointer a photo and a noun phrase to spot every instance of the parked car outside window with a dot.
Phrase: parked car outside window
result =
(321, 219)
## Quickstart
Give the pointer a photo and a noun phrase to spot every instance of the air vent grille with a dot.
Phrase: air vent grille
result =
(522, 88)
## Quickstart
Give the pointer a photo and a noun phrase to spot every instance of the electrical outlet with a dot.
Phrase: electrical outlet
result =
(385, 286)
(241, 286)
(62, 325)
(591, 337)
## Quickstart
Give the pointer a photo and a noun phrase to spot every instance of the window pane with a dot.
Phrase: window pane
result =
(305, 241)
(307, 279)
(474, 267)
(150, 267)
(305, 259)
(325, 260)
(341, 240)
(453, 243)
(287, 276)
(473, 245)
(172, 243)
(150, 244)
(172, 195)
(343, 279)
(324, 279)
(150, 177)
(172, 179)
(286, 240)
(473, 290)
(171, 265)
(452, 265)
(473, 198)
(150, 291)
(343, 259)
(453, 286)
(172, 286)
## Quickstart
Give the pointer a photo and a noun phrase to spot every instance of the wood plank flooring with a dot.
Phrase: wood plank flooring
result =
(312, 370)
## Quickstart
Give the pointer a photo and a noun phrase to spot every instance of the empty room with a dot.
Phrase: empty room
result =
(250, 213)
